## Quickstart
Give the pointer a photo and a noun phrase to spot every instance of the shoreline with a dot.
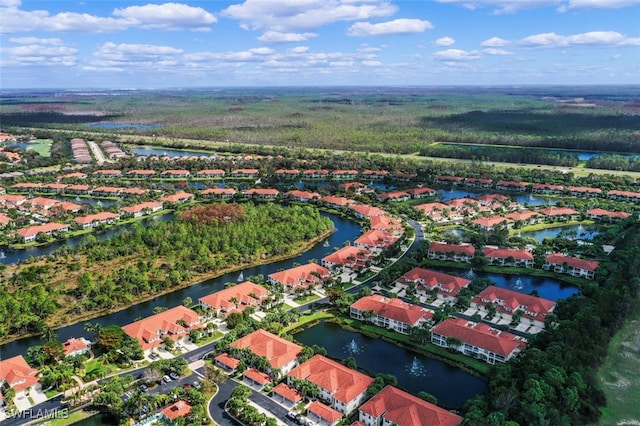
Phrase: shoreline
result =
(196, 280)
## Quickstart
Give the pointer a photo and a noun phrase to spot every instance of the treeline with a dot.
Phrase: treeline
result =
(150, 260)
(554, 381)
(615, 162)
(508, 155)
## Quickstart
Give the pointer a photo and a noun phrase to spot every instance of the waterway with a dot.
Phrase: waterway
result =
(148, 151)
(578, 232)
(346, 230)
(9, 256)
(415, 372)
(526, 198)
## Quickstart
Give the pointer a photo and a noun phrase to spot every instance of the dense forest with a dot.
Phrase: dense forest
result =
(135, 264)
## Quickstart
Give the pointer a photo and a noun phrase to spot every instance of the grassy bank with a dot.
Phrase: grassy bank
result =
(619, 376)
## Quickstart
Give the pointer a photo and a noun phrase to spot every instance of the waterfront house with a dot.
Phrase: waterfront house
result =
(280, 353)
(477, 339)
(174, 323)
(342, 387)
(508, 257)
(210, 173)
(394, 196)
(315, 174)
(287, 173)
(508, 302)
(178, 197)
(355, 258)
(76, 346)
(375, 174)
(451, 252)
(93, 220)
(303, 196)
(421, 192)
(386, 223)
(262, 193)
(375, 240)
(30, 233)
(344, 174)
(53, 188)
(16, 374)
(393, 314)
(106, 191)
(142, 209)
(444, 180)
(584, 191)
(301, 276)
(235, 298)
(488, 224)
(506, 185)
(392, 406)
(77, 189)
(559, 214)
(365, 211)
(133, 192)
(547, 188)
(356, 187)
(478, 182)
(140, 173)
(526, 217)
(218, 192)
(403, 177)
(175, 174)
(606, 215)
(575, 266)
(427, 280)
(336, 202)
(245, 173)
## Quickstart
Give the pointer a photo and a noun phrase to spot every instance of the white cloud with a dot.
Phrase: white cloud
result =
(135, 56)
(592, 38)
(496, 52)
(495, 42)
(278, 37)
(162, 16)
(10, 3)
(299, 49)
(598, 4)
(445, 41)
(456, 55)
(397, 26)
(512, 6)
(372, 63)
(36, 40)
(167, 16)
(369, 49)
(292, 15)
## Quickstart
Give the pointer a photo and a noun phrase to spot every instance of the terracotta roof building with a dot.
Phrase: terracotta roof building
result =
(454, 252)
(508, 302)
(344, 388)
(477, 339)
(320, 413)
(281, 353)
(508, 257)
(301, 276)
(571, 265)
(394, 406)
(426, 280)
(177, 409)
(349, 256)
(15, 373)
(394, 314)
(235, 298)
(151, 330)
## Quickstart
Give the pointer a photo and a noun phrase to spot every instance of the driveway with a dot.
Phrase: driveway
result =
(37, 395)
(22, 401)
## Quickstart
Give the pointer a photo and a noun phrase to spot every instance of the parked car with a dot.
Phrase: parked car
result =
(196, 384)
(174, 376)
(166, 379)
(143, 388)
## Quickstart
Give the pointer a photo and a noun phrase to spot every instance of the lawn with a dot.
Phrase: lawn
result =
(41, 146)
(72, 418)
(619, 376)
(306, 299)
(306, 319)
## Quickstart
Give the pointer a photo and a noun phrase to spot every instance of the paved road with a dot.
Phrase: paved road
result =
(37, 412)
(97, 152)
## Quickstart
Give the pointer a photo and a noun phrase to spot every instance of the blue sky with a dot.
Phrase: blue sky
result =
(142, 44)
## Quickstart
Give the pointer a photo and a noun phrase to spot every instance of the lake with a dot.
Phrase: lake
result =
(149, 151)
(415, 372)
(581, 232)
(526, 198)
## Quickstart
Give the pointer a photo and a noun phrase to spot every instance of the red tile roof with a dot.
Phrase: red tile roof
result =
(603, 212)
(288, 393)
(344, 383)
(17, 373)
(302, 194)
(151, 205)
(450, 284)
(558, 211)
(523, 215)
(302, 275)
(395, 309)
(511, 301)
(72, 344)
(257, 376)
(150, 331)
(141, 172)
(376, 238)
(262, 191)
(98, 217)
(368, 211)
(337, 201)
(575, 262)
(480, 335)
(228, 360)
(488, 222)
(467, 249)
(504, 253)
(209, 172)
(246, 293)
(585, 189)
(219, 191)
(342, 256)
(278, 351)
(403, 409)
(386, 223)
(178, 409)
(324, 412)
(177, 197)
(47, 227)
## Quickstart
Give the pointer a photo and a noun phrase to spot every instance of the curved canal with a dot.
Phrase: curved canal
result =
(346, 230)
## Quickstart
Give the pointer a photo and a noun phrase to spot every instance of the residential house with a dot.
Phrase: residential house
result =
(351, 257)
(315, 174)
(427, 280)
(343, 388)
(53, 188)
(375, 240)
(477, 339)
(175, 174)
(606, 215)
(506, 185)
(323, 415)
(571, 265)
(344, 174)
(630, 196)
(235, 298)
(133, 192)
(262, 193)
(177, 409)
(140, 173)
(301, 276)
(76, 346)
(245, 173)
(403, 177)
(452, 180)
(336, 202)
(421, 192)
(287, 173)
(584, 191)
(547, 188)
(394, 196)
(4, 220)
(365, 211)
(508, 257)
(532, 309)
(9, 200)
(106, 191)
(218, 192)
(107, 173)
(93, 220)
(526, 217)
(77, 189)
(42, 202)
(174, 323)
(356, 187)
(16, 374)
(488, 224)
(178, 197)
(139, 210)
(30, 233)
(393, 314)
(210, 173)
(255, 378)
(452, 252)
(286, 395)
(375, 174)
(303, 196)
(437, 212)
(227, 362)
(386, 223)
(280, 353)
(478, 182)
(392, 406)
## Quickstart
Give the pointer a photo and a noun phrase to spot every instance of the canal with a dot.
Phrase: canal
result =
(415, 372)
(346, 230)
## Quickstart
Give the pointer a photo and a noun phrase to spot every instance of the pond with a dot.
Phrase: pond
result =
(415, 372)
(148, 151)
(547, 288)
(85, 200)
(572, 231)
(526, 198)
(346, 230)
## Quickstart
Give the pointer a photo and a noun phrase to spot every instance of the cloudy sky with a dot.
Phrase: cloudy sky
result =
(186, 43)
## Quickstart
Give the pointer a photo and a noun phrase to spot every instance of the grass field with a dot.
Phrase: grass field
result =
(41, 146)
(620, 376)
